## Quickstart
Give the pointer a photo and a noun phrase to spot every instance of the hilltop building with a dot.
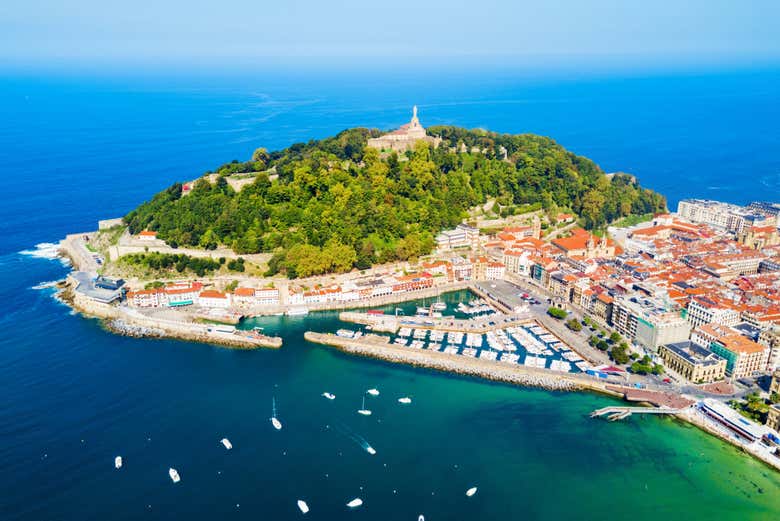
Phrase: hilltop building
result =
(405, 137)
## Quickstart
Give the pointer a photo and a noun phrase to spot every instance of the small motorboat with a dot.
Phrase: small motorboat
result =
(371, 450)
(421, 518)
(329, 396)
(226, 443)
(363, 410)
(174, 474)
(405, 400)
(274, 420)
(355, 503)
(118, 462)
(470, 492)
(373, 392)
(304, 508)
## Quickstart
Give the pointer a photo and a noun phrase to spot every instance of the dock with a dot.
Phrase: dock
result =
(392, 323)
(616, 413)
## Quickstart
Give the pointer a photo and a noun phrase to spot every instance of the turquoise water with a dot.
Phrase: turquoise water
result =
(73, 396)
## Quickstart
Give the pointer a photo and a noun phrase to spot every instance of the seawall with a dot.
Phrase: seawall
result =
(126, 321)
(374, 346)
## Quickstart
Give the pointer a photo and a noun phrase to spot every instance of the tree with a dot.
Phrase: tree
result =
(556, 312)
(574, 324)
(614, 337)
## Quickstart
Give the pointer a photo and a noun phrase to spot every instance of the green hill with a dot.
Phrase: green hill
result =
(334, 204)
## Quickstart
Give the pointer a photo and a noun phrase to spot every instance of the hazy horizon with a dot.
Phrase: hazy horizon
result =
(91, 35)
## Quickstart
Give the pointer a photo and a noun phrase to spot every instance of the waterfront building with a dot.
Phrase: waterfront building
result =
(182, 294)
(146, 298)
(702, 310)
(495, 271)
(582, 244)
(405, 137)
(731, 419)
(744, 357)
(210, 298)
(695, 363)
(267, 297)
(729, 217)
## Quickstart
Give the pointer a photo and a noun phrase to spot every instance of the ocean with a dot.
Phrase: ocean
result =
(80, 148)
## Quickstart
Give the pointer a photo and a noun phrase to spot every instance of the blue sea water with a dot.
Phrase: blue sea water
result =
(77, 149)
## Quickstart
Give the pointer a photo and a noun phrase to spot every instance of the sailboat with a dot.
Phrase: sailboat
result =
(274, 421)
(405, 400)
(118, 462)
(329, 396)
(373, 392)
(470, 492)
(363, 410)
(226, 443)
(173, 473)
(355, 503)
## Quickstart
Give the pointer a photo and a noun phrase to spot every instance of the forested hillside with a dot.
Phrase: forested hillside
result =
(335, 204)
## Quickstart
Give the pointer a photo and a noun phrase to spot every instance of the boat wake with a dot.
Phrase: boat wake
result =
(355, 437)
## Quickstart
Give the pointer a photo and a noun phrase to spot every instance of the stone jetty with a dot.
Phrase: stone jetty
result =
(379, 347)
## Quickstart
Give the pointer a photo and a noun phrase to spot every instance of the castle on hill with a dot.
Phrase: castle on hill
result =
(404, 138)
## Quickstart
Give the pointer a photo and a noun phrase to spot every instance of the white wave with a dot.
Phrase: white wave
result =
(47, 250)
(46, 285)
(44, 250)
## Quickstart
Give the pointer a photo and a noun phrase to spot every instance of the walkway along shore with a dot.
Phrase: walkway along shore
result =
(379, 347)
(129, 322)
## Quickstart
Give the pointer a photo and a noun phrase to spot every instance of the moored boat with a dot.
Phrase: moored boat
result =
(304, 508)
(329, 396)
(355, 503)
(174, 474)
(226, 443)
(118, 462)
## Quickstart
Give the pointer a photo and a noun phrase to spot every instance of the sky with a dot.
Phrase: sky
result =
(121, 33)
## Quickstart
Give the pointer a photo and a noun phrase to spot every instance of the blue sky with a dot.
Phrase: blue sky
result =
(343, 31)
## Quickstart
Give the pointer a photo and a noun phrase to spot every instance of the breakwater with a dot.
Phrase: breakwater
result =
(375, 346)
(130, 322)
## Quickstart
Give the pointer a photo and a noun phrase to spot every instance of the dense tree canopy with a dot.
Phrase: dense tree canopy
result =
(335, 204)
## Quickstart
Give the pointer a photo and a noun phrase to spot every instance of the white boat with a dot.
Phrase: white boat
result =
(118, 462)
(226, 443)
(355, 503)
(329, 396)
(297, 310)
(304, 508)
(373, 392)
(363, 410)
(421, 518)
(470, 492)
(439, 305)
(274, 421)
(405, 400)
(174, 475)
(371, 450)
(345, 333)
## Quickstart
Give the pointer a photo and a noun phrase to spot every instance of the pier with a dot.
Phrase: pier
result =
(391, 323)
(616, 413)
